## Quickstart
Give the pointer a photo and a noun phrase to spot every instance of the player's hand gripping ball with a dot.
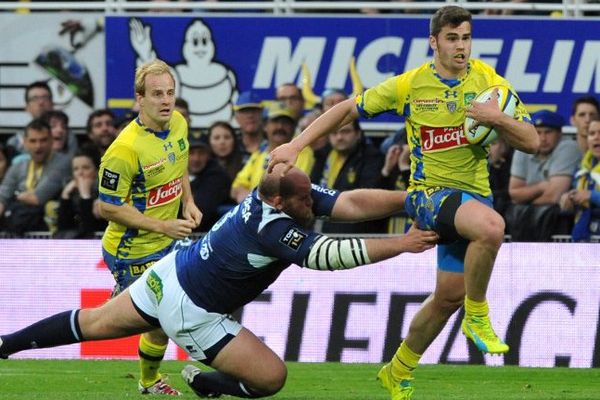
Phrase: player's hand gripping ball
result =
(481, 134)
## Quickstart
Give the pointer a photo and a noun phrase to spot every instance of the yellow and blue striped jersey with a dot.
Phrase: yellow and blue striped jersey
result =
(144, 168)
(434, 109)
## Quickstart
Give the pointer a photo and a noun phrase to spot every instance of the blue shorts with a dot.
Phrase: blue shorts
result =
(424, 206)
(126, 271)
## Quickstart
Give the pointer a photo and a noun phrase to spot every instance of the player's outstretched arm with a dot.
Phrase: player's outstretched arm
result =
(367, 204)
(331, 254)
(340, 115)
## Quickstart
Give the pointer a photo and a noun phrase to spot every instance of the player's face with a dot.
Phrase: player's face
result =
(221, 141)
(593, 138)
(584, 113)
(158, 103)
(452, 49)
(299, 205)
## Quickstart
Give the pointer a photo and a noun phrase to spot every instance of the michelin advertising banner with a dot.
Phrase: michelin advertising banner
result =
(550, 62)
(89, 60)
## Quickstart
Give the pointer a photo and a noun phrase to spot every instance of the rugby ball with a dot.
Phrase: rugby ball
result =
(485, 134)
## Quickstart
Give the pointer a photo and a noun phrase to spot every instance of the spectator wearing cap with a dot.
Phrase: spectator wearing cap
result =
(209, 182)
(279, 127)
(543, 177)
(248, 113)
(540, 179)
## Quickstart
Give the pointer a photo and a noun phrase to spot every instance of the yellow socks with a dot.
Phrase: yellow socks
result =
(403, 363)
(150, 357)
(476, 308)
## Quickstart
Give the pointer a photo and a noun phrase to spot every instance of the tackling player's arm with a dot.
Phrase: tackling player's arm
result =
(367, 204)
(341, 114)
(288, 241)
(331, 254)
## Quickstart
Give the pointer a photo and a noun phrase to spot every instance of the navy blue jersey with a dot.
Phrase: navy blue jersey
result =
(245, 251)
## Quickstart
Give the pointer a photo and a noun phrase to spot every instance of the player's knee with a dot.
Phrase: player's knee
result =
(492, 232)
(448, 303)
(273, 381)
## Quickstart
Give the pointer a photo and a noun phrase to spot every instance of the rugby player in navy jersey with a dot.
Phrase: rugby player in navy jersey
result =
(191, 292)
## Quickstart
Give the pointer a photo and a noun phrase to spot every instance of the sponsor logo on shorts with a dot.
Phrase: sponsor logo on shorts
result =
(293, 238)
(139, 269)
(155, 284)
(433, 139)
(165, 193)
(110, 179)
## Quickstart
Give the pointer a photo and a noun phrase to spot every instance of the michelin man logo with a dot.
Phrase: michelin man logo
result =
(208, 86)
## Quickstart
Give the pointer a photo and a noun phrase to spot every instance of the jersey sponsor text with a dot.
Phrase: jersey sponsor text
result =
(165, 194)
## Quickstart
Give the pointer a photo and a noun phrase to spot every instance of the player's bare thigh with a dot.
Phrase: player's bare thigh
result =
(476, 221)
(247, 358)
(115, 318)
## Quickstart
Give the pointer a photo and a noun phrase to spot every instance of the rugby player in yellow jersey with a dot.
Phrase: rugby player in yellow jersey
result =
(143, 181)
(449, 190)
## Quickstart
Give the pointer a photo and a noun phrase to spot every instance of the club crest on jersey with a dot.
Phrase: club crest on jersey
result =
(171, 158)
(451, 105)
(110, 180)
(469, 96)
(165, 193)
(433, 139)
(293, 238)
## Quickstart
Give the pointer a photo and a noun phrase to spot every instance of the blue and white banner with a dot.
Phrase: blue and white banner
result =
(550, 62)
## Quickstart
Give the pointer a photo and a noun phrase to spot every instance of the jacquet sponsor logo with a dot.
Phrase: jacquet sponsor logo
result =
(442, 138)
(165, 194)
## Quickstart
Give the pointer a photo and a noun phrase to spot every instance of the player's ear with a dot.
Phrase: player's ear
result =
(278, 202)
(432, 42)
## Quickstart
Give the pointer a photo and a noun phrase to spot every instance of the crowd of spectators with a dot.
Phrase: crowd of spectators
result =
(48, 176)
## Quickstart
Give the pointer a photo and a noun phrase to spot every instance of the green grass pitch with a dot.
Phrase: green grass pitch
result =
(91, 380)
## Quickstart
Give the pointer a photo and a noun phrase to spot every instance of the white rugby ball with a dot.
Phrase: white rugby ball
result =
(485, 134)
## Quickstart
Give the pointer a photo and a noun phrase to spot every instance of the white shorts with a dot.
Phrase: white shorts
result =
(158, 294)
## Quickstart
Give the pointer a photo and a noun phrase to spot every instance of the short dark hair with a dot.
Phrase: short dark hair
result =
(84, 151)
(58, 114)
(34, 85)
(37, 124)
(182, 103)
(587, 99)
(96, 114)
(448, 15)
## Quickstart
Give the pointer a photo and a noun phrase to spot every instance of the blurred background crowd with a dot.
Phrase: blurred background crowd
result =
(48, 174)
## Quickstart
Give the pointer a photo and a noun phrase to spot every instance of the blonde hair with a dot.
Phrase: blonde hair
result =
(154, 67)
